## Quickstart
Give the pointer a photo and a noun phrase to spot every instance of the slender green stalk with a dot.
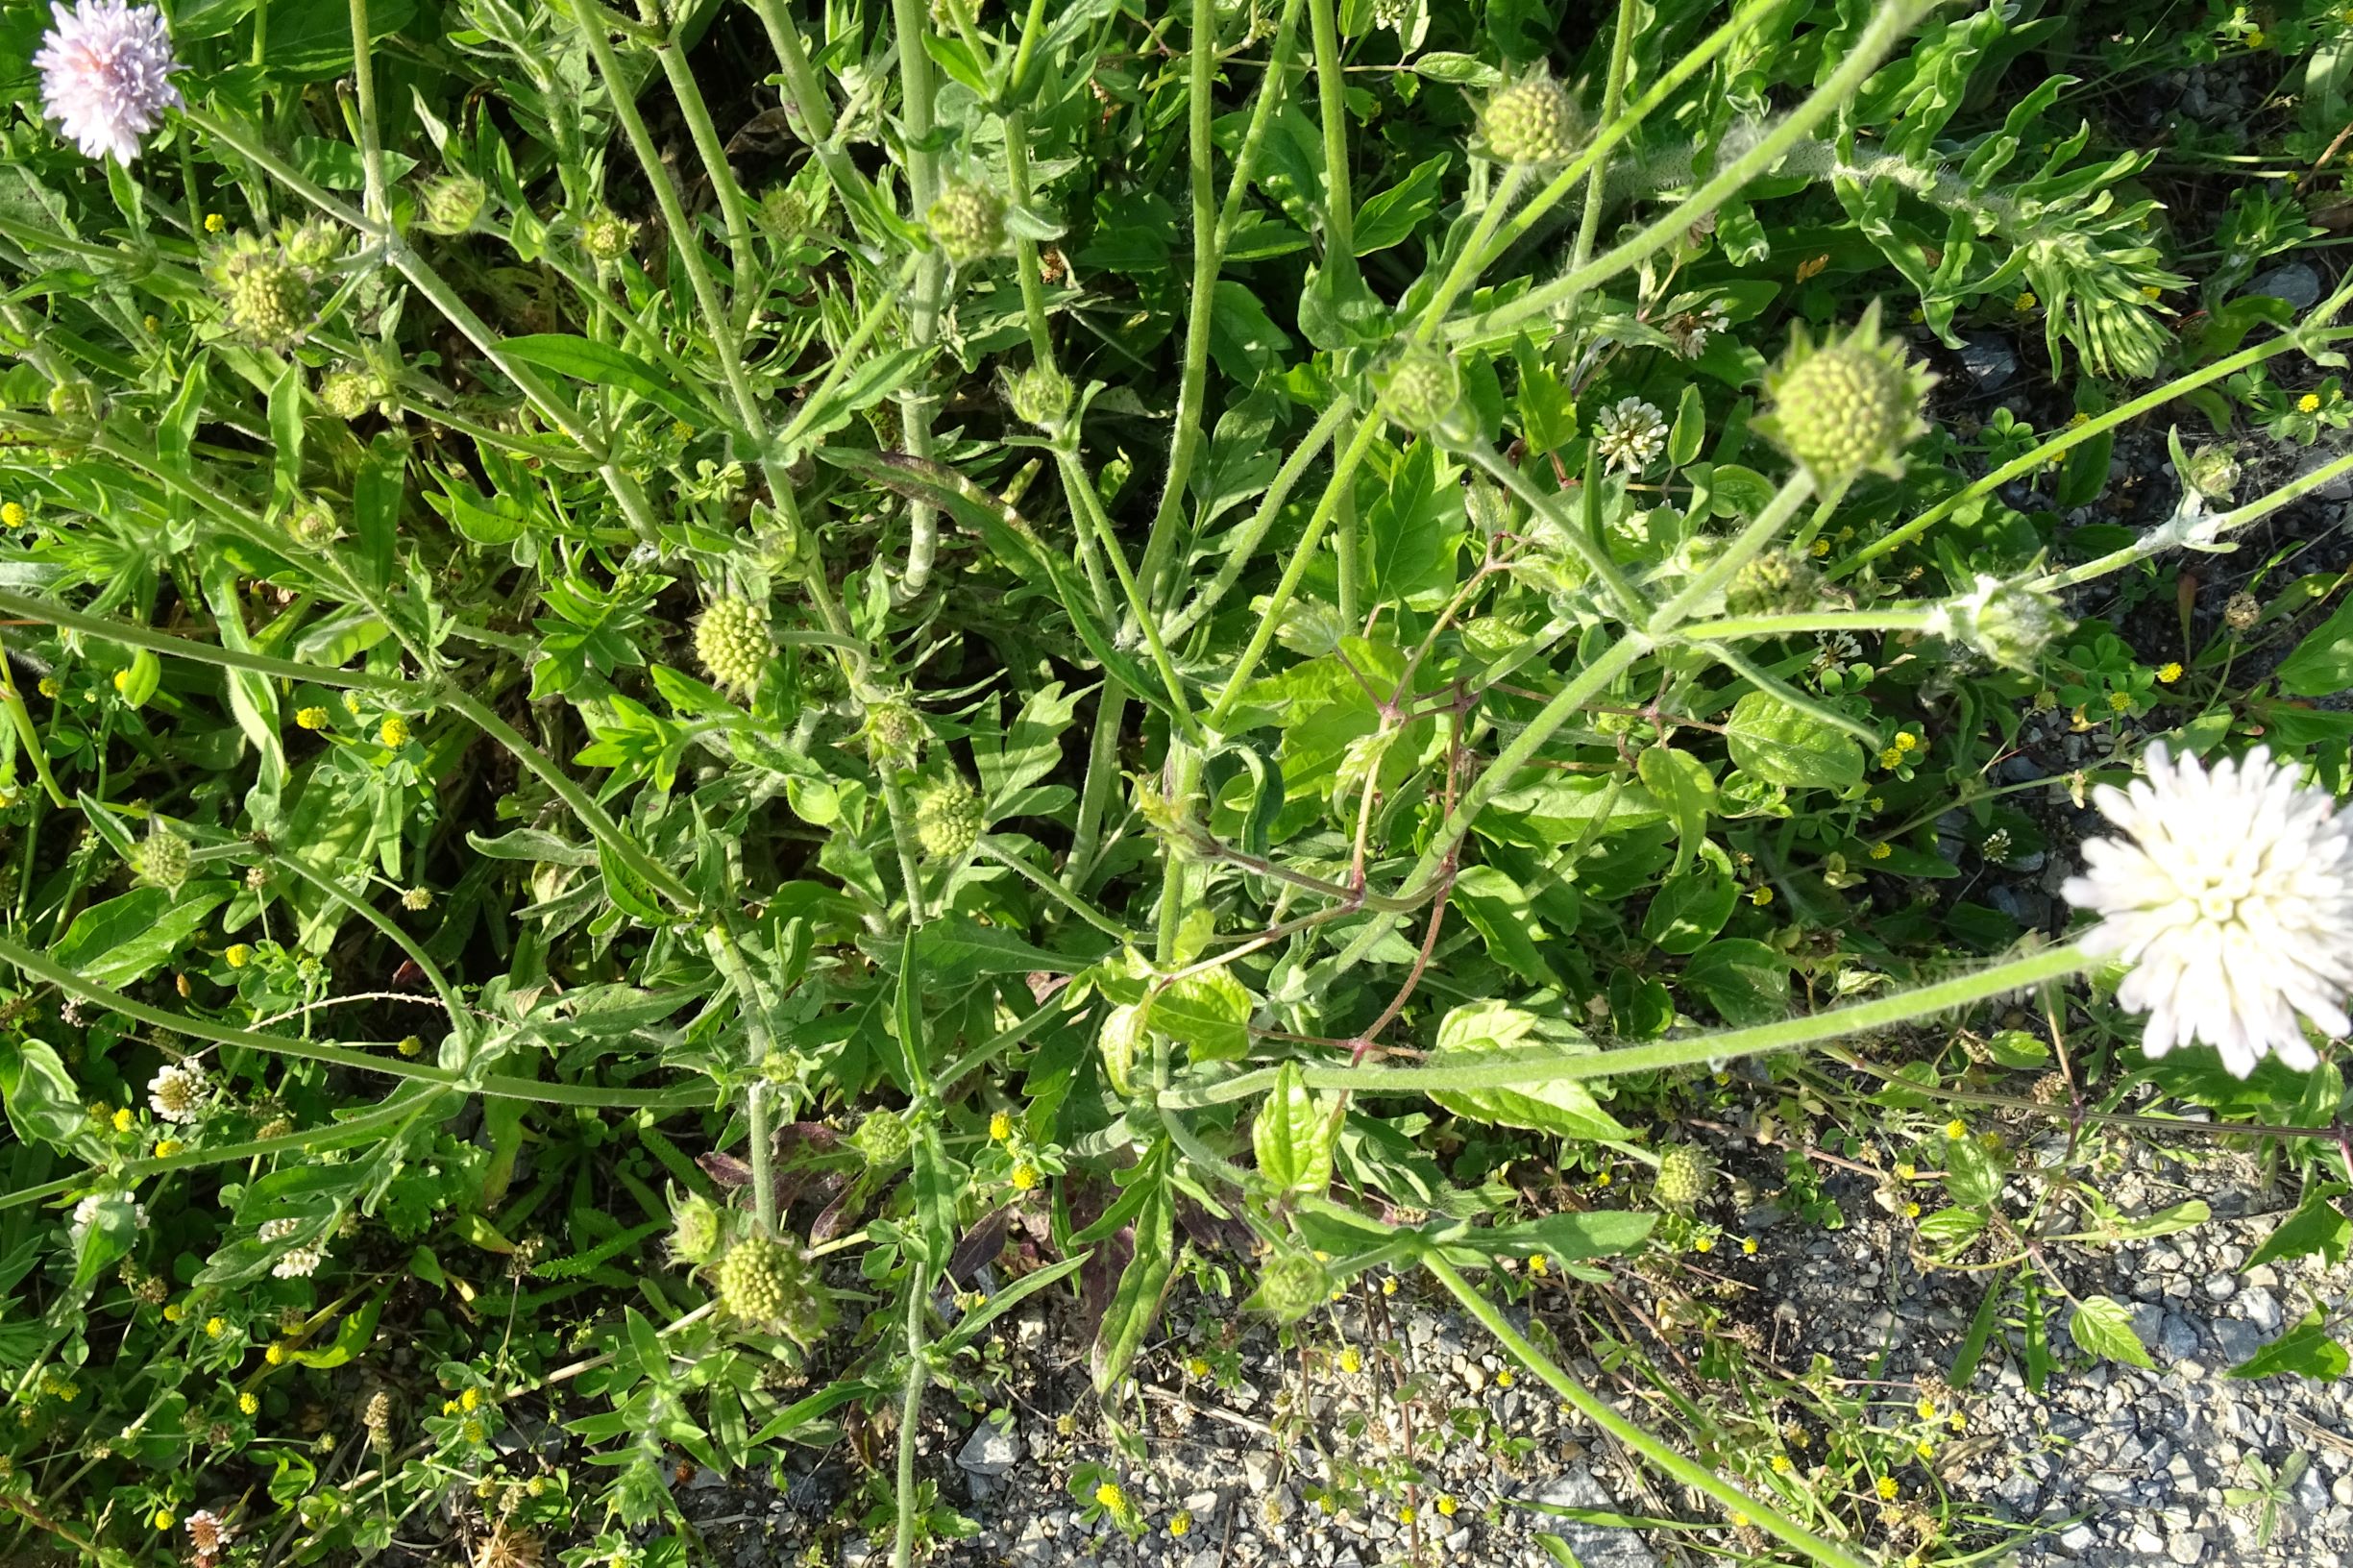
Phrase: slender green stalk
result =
(1053, 890)
(806, 105)
(733, 210)
(1592, 552)
(1733, 628)
(1090, 516)
(911, 1412)
(2164, 537)
(1613, 104)
(495, 1084)
(1761, 531)
(1245, 541)
(902, 840)
(762, 1154)
(1879, 37)
(371, 122)
(1598, 1411)
(1340, 261)
(910, 21)
(1192, 382)
(1102, 777)
(1531, 1069)
(26, 607)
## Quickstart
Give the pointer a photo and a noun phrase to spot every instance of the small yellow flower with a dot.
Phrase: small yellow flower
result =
(473, 1432)
(410, 1045)
(1877, 802)
(351, 703)
(1891, 758)
(1538, 1267)
(1704, 1243)
(1927, 1409)
(174, 1312)
(163, 1519)
(215, 1328)
(1883, 849)
(449, 1407)
(1760, 897)
(1957, 1129)
(12, 514)
(276, 1355)
(1911, 1210)
(310, 718)
(2025, 301)
(1916, 315)
(1506, 1378)
(165, 1148)
(2120, 700)
(2169, 674)
(1111, 1496)
(1740, 1520)
(1906, 741)
(1197, 1368)
(1405, 1514)
(1957, 1421)
(1925, 1449)
(1446, 1505)
(2307, 404)
(2078, 419)
(1000, 1128)
(214, 223)
(393, 731)
(1602, 1180)
(1781, 1465)
(1351, 1362)
(682, 430)
(1181, 1524)
(470, 1401)
(1906, 1170)
(1388, 1286)
(2257, 39)
(250, 1402)
(1329, 1504)
(49, 686)
(1024, 1177)
(238, 955)
(1888, 1487)
(1819, 548)
(123, 1120)
(1748, 1246)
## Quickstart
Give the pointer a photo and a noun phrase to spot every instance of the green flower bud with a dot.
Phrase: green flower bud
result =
(2008, 622)
(1422, 390)
(947, 819)
(452, 203)
(1774, 582)
(164, 858)
(967, 222)
(1532, 121)
(1292, 1285)
(767, 1286)
(783, 210)
(884, 1137)
(733, 643)
(1847, 407)
(265, 294)
(1121, 1042)
(894, 733)
(607, 235)
(76, 401)
(1038, 396)
(695, 1230)
(1685, 1174)
(345, 394)
(312, 523)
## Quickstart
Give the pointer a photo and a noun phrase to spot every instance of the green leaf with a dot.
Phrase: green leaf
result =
(139, 678)
(1571, 1238)
(1392, 216)
(1135, 1305)
(1464, 70)
(375, 506)
(1772, 741)
(1973, 1174)
(128, 937)
(631, 894)
(1209, 1014)
(937, 1182)
(956, 948)
(2306, 1350)
(1488, 1033)
(2317, 1226)
(1690, 909)
(1745, 981)
(2323, 663)
(1293, 1134)
(1681, 783)
(1243, 339)
(1690, 429)
(352, 1337)
(2103, 1327)
(44, 1104)
(607, 366)
(1497, 909)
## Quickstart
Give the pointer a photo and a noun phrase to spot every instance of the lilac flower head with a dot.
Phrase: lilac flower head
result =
(105, 75)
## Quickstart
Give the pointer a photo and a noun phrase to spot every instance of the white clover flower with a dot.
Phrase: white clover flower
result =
(107, 75)
(1688, 332)
(86, 1212)
(278, 1230)
(2233, 902)
(1629, 434)
(299, 1263)
(177, 1092)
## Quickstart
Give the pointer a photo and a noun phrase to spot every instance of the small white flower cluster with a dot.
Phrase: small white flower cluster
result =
(295, 1262)
(1629, 434)
(86, 1212)
(107, 75)
(2232, 900)
(177, 1092)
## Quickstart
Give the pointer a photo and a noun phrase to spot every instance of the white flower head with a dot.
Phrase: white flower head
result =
(1629, 434)
(278, 1230)
(86, 1212)
(297, 1263)
(177, 1092)
(107, 75)
(2233, 902)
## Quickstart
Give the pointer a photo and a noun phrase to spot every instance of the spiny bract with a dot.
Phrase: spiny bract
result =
(894, 732)
(883, 1137)
(732, 642)
(967, 221)
(1292, 1285)
(1530, 121)
(948, 820)
(1422, 390)
(1849, 407)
